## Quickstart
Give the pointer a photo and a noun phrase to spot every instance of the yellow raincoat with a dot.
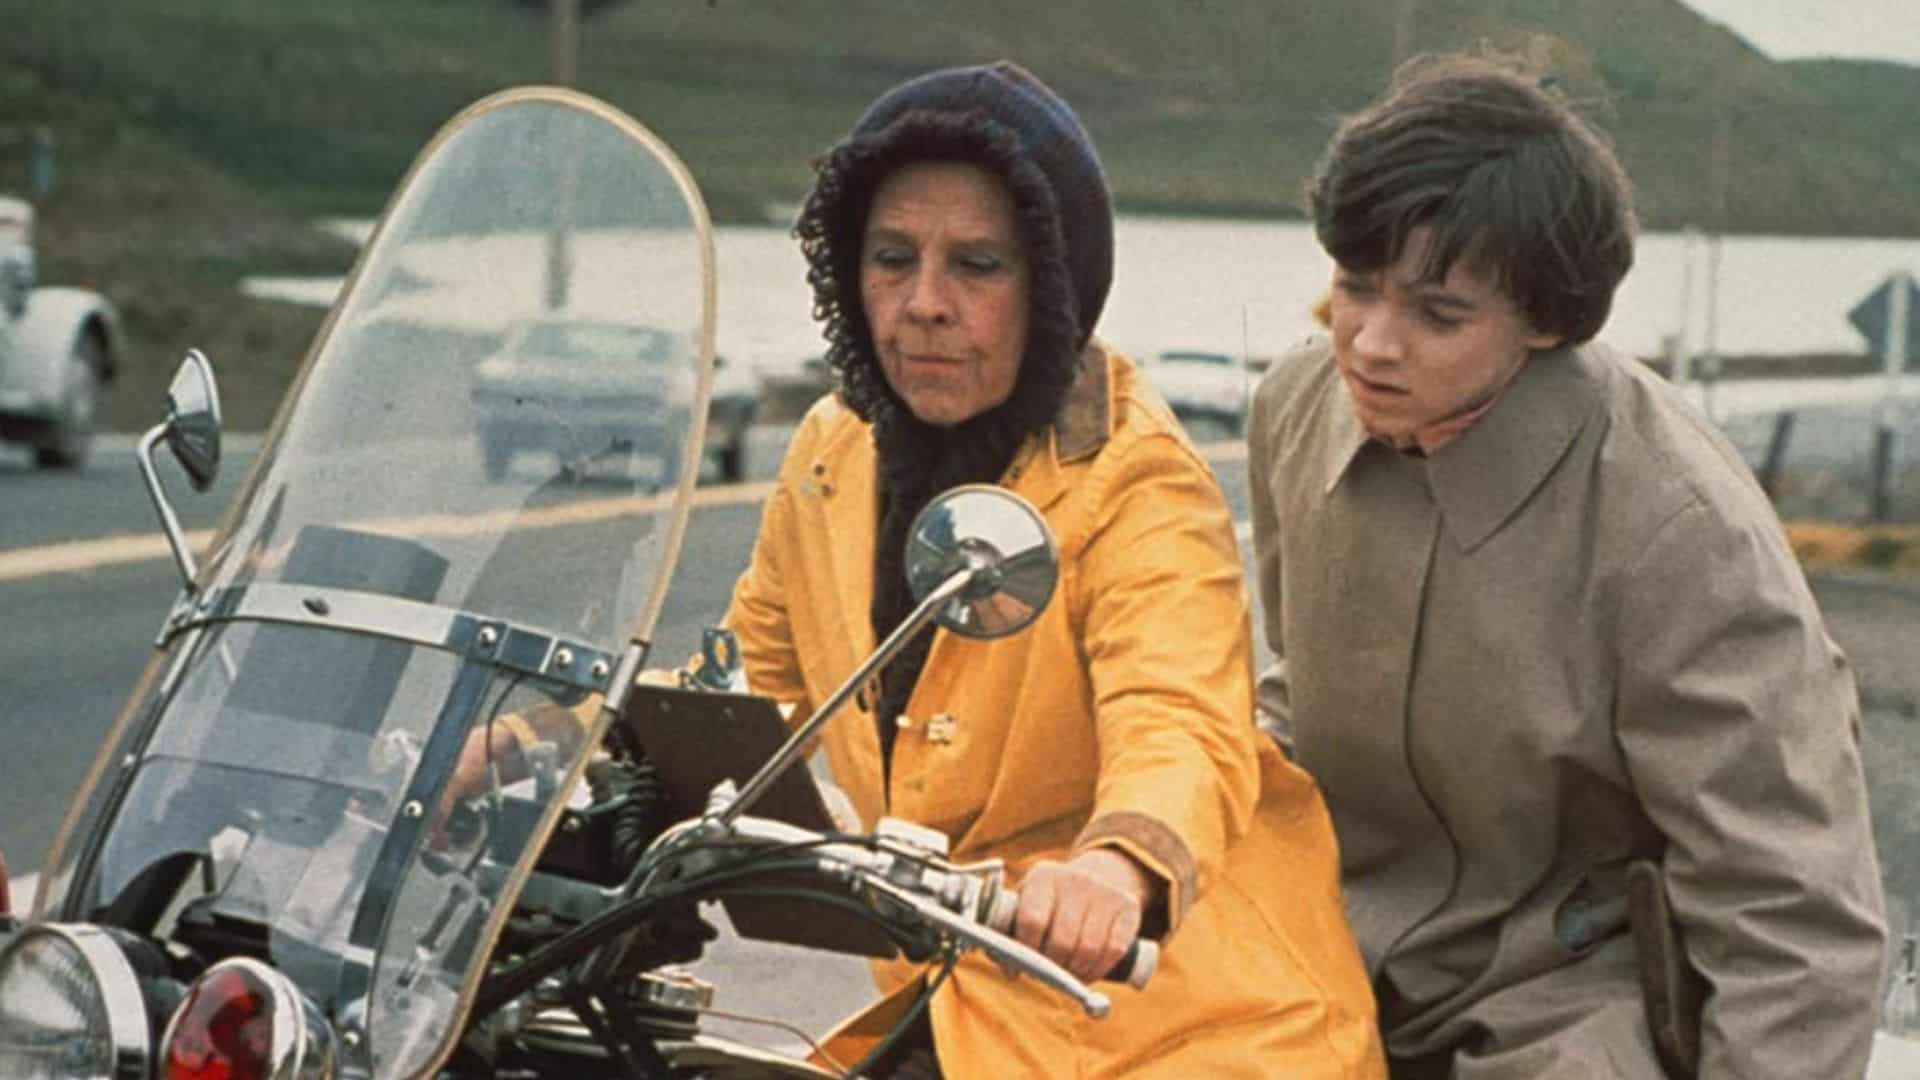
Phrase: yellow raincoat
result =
(1122, 717)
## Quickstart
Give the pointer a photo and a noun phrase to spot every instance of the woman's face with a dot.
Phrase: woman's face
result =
(1415, 353)
(943, 277)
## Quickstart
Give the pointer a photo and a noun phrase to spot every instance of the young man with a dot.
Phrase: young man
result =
(1536, 625)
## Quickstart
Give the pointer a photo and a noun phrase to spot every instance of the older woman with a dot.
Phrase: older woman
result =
(960, 243)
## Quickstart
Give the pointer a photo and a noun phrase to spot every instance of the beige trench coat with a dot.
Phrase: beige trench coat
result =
(1122, 717)
(1571, 637)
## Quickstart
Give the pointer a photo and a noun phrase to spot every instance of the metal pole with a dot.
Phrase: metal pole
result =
(566, 50)
(169, 521)
(790, 750)
(1894, 358)
(1722, 164)
(1403, 32)
(566, 40)
(1682, 369)
(1776, 457)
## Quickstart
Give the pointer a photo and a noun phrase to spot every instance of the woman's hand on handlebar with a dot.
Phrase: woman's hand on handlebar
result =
(487, 748)
(1085, 913)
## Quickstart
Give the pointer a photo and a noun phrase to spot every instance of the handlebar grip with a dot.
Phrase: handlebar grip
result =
(1136, 965)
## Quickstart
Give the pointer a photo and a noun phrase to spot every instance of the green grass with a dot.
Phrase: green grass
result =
(1214, 103)
(196, 136)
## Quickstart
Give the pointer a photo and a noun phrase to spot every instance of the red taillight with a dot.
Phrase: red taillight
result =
(242, 1020)
(223, 1031)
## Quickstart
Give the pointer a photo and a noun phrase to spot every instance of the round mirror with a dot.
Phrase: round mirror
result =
(1001, 538)
(193, 420)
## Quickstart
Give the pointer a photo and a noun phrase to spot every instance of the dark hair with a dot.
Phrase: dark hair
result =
(1501, 171)
(1003, 119)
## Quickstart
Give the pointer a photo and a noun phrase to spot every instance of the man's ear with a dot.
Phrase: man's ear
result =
(1539, 341)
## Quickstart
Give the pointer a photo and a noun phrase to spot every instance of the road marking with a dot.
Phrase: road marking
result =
(80, 556)
(83, 556)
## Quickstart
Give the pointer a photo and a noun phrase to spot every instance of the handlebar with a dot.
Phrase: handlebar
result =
(969, 904)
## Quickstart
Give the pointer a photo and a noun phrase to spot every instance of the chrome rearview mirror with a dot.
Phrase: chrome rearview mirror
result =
(981, 560)
(192, 431)
(998, 536)
(193, 420)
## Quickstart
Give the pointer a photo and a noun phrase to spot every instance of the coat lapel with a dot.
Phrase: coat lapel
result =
(842, 482)
(1483, 478)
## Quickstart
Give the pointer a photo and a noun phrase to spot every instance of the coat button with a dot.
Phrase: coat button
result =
(940, 729)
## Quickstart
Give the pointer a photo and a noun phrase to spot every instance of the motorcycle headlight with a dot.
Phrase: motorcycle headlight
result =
(71, 1007)
(242, 1020)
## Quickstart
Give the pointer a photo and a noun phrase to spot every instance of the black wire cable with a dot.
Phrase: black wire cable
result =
(597, 1025)
(886, 1045)
(486, 745)
(824, 899)
(728, 880)
(853, 907)
(583, 939)
(865, 840)
(920, 1003)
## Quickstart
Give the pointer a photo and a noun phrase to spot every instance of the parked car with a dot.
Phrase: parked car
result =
(58, 348)
(731, 411)
(1206, 387)
(599, 375)
(788, 390)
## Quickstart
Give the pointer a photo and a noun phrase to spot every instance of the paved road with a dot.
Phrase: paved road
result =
(85, 579)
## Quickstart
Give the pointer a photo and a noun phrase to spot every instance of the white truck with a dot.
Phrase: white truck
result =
(58, 348)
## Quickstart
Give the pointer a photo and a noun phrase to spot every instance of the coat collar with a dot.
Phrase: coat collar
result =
(1086, 417)
(1482, 477)
(1084, 425)
(843, 476)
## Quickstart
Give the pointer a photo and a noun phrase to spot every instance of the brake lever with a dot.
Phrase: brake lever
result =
(873, 868)
(1002, 949)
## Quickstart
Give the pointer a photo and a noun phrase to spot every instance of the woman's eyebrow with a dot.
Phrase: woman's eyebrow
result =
(887, 233)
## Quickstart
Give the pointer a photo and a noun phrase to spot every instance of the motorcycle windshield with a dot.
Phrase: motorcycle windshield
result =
(472, 499)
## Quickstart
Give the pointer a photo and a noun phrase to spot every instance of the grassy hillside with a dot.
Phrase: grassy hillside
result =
(196, 135)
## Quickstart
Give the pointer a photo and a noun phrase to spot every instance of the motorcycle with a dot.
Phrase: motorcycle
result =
(273, 870)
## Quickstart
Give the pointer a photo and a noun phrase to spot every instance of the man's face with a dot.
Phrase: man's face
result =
(1415, 353)
(943, 276)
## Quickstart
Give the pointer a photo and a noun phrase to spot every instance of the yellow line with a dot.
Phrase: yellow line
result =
(82, 556)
